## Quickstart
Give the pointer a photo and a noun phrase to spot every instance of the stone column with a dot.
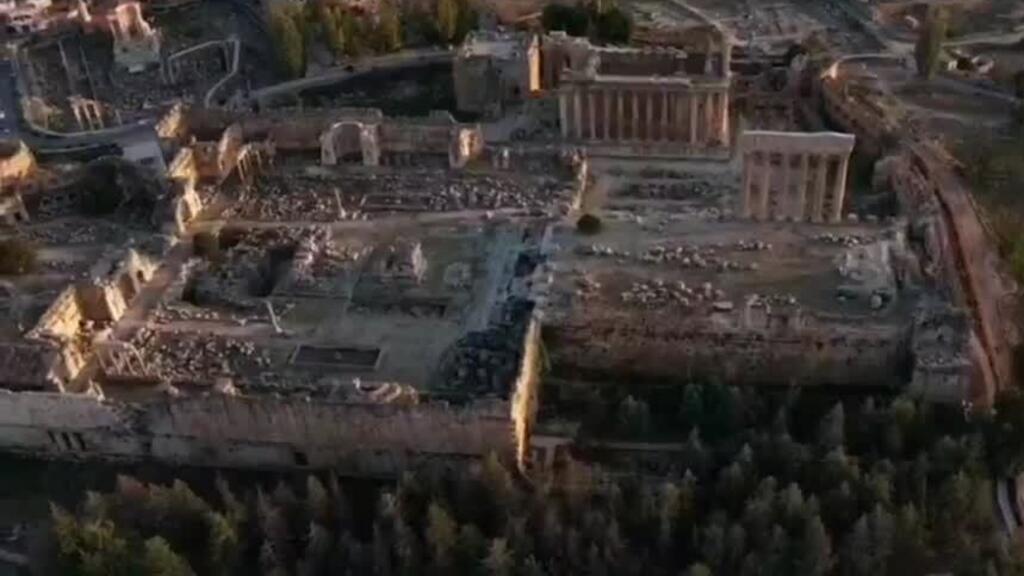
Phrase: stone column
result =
(766, 184)
(839, 188)
(592, 113)
(748, 167)
(563, 113)
(606, 130)
(820, 176)
(709, 50)
(676, 125)
(693, 119)
(801, 189)
(577, 110)
(726, 56)
(649, 113)
(620, 117)
(665, 116)
(788, 201)
(709, 121)
(724, 111)
(634, 130)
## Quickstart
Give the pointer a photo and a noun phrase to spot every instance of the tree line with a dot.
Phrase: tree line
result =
(348, 33)
(601, 20)
(890, 486)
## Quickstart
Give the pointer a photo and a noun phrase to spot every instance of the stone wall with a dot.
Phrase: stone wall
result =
(655, 350)
(62, 319)
(856, 114)
(16, 162)
(253, 432)
(968, 265)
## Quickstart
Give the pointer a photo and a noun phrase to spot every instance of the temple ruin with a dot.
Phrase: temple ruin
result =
(345, 288)
(794, 175)
(650, 97)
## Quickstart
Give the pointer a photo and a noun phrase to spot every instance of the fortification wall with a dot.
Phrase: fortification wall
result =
(969, 264)
(253, 432)
(658, 351)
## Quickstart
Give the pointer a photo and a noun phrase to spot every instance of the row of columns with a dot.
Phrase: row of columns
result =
(622, 114)
(88, 113)
(253, 159)
(813, 199)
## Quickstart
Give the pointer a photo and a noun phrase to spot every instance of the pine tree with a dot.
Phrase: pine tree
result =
(447, 19)
(389, 27)
(441, 534)
(814, 552)
(692, 409)
(831, 431)
(469, 550)
(290, 43)
(499, 561)
(159, 560)
(858, 553)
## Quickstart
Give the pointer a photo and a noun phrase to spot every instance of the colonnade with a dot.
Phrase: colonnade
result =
(253, 158)
(88, 113)
(610, 112)
(794, 175)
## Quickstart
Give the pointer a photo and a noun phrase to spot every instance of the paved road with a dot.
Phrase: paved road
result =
(376, 63)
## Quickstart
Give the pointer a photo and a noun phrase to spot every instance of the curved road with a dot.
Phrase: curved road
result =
(374, 64)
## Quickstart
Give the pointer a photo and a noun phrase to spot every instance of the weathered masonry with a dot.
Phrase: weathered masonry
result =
(794, 176)
(648, 97)
(623, 109)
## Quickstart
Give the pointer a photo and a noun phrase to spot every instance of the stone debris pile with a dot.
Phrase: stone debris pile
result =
(70, 232)
(685, 256)
(847, 240)
(657, 293)
(194, 358)
(487, 361)
(450, 192)
(283, 198)
(687, 190)
(771, 300)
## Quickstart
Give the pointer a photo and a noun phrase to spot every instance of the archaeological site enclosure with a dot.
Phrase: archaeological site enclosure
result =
(324, 286)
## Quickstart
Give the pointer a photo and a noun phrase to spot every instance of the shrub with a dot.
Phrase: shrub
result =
(588, 224)
(16, 257)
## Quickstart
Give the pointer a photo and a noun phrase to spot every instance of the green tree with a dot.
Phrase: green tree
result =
(499, 561)
(613, 26)
(469, 549)
(448, 19)
(91, 547)
(290, 42)
(17, 257)
(910, 541)
(831, 430)
(692, 408)
(389, 27)
(224, 543)
(354, 34)
(814, 553)
(928, 48)
(159, 560)
(332, 27)
(573, 20)
(858, 553)
(634, 417)
(1004, 433)
(441, 534)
